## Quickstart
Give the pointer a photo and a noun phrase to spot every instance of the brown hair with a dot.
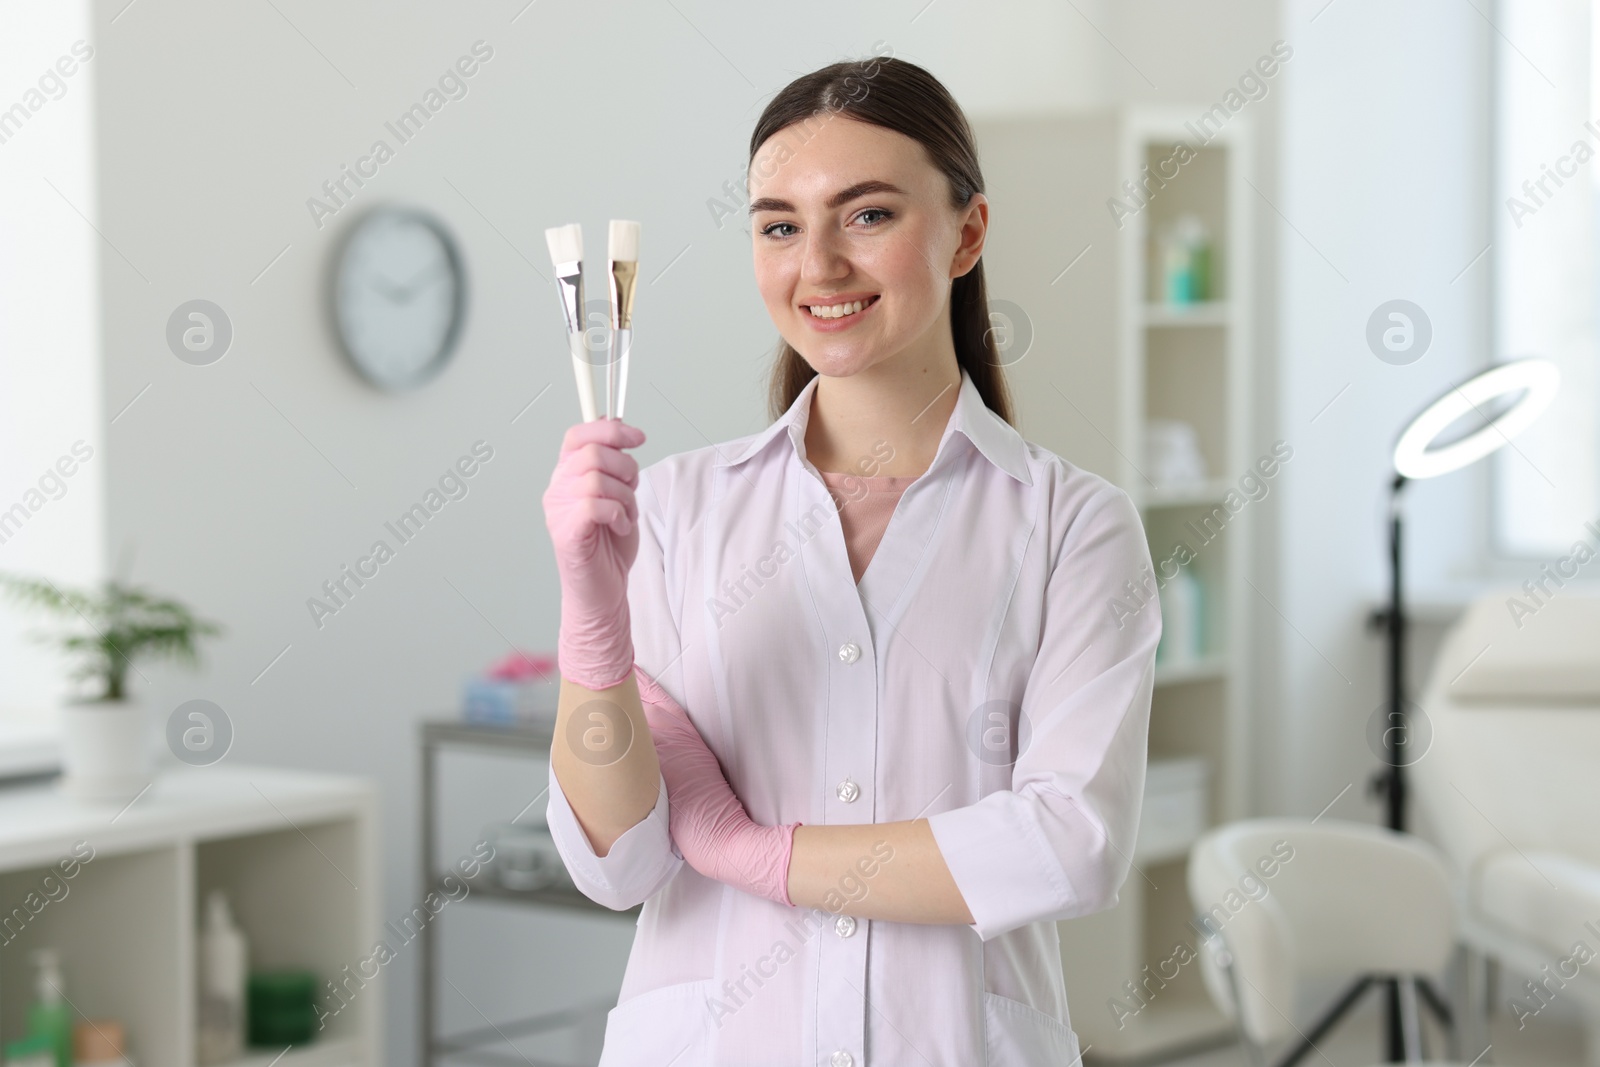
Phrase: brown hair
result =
(903, 97)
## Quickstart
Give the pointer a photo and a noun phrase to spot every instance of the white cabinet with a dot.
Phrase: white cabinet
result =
(1077, 202)
(295, 853)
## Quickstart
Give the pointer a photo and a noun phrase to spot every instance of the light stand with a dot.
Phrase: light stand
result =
(1415, 458)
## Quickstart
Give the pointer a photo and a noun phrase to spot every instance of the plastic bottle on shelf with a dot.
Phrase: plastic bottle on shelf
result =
(1181, 614)
(30, 1052)
(50, 1016)
(1186, 261)
(223, 963)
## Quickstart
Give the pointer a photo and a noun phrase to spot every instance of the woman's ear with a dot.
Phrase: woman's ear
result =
(974, 230)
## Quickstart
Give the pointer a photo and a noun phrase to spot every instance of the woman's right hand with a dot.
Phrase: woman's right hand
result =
(590, 511)
(709, 824)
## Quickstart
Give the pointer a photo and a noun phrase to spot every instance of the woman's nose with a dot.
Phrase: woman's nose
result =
(824, 259)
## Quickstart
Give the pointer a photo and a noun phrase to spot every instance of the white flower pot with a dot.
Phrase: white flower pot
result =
(105, 749)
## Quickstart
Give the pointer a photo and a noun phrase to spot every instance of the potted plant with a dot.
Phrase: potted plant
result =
(105, 736)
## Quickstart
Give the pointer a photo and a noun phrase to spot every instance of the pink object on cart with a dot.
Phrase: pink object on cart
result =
(521, 666)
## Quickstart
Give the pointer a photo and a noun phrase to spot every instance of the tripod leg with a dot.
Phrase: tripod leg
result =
(1474, 1022)
(1440, 1006)
(1394, 1035)
(1326, 1023)
(1410, 1019)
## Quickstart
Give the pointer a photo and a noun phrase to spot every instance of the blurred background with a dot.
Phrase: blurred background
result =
(241, 344)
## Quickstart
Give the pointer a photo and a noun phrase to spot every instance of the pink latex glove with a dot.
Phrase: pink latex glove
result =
(592, 516)
(707, 822)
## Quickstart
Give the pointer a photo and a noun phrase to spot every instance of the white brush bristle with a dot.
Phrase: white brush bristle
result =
(566, 242)
(624, 240)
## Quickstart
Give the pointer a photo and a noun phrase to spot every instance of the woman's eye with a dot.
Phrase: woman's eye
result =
(869, 218)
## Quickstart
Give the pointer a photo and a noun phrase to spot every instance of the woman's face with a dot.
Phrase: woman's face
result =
(844, 213)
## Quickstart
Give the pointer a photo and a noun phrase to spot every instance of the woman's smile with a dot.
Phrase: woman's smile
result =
(831, 314)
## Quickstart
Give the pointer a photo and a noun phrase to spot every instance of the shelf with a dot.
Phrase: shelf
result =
(1163, 1028)
(1151, 857)
(1203, 313)
(293, 892)
(318, 1054)
(1210, 491)
(528, 734)
(1206, 668)
(553, 897)
(1118, 358)
(38, 823)
(116, 924)
(288, 848)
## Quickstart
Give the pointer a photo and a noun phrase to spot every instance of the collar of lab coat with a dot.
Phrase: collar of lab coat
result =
(994, 438)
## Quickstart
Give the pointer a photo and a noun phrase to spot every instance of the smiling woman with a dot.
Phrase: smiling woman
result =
(891, 101)
(922, 731)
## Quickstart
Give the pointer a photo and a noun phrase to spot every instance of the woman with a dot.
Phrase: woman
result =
(933, 724)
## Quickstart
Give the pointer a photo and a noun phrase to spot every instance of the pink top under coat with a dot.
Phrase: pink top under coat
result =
(865, 503)
(831, 702)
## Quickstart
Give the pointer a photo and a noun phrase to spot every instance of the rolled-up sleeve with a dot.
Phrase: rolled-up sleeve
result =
(643, 859)
(636, 866)
(1058, 843)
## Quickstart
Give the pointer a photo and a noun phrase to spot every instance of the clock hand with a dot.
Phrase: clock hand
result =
(394, 296)
(413, 283)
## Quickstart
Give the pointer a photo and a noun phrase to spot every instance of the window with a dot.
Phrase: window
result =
(50, 522)
(1545, 173)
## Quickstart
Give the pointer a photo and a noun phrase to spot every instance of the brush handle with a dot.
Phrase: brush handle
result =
(580, 371)
(623, 340)
(611, 374)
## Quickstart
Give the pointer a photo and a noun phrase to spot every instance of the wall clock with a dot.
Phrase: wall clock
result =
(399, 294)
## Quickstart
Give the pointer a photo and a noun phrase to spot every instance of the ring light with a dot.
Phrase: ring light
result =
(1540, 377)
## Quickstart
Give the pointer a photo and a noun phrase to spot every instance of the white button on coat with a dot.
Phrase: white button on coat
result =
(849, 652)
(848, 791)
(841, 1059)
(1011, 617)
(845, 925)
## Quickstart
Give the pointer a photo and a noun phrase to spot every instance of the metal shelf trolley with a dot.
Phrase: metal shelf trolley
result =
(531, 739)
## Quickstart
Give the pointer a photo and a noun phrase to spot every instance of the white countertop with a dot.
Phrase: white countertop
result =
(29, 744)
(38, 823)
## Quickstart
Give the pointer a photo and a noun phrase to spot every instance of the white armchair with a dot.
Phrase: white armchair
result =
(1325, 899)
(1509, 789)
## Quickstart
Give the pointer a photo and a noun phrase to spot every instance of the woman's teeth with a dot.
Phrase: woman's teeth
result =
(837, 311)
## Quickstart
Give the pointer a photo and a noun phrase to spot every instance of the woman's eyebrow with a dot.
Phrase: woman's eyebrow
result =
(843, 196)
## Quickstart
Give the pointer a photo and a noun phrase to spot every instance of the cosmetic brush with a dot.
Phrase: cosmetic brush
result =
(566, 254)
(624, 256)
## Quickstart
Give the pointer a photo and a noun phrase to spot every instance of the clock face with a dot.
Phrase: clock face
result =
(398, 295)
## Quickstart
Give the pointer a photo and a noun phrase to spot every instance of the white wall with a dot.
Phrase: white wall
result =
(1383, 184)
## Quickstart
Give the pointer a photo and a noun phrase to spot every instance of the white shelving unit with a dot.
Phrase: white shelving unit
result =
(1106, 356)
(295, 852)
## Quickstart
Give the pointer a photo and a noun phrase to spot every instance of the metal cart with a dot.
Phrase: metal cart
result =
(531, 739)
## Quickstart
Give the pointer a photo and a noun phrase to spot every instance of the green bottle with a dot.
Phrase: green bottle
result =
(30, 1052)
(50, 1016)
